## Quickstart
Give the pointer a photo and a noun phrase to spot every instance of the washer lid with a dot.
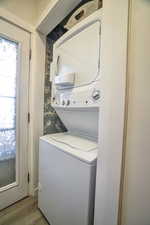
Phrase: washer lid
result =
(75, 142)
(81, 148)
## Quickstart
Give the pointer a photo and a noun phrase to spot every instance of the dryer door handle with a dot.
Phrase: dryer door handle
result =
(57, 65)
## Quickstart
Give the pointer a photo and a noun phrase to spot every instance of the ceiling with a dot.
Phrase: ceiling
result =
(27, 10)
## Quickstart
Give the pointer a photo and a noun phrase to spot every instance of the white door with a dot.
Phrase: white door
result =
(14, 78)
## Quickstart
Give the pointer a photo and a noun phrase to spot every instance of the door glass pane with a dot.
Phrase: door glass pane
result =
(8, 71)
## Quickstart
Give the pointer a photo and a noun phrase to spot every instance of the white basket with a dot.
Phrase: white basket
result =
(83, 12)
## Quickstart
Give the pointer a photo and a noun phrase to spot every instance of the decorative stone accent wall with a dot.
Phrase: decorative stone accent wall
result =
(52, 123)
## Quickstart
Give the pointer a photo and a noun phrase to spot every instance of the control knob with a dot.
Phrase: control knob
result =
(68, 102)
(63, 102)
(96, 94)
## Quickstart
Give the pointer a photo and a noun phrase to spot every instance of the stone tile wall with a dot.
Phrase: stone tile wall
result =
(52, 123)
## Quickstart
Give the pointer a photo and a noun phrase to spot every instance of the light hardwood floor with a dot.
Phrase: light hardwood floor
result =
(24, 212)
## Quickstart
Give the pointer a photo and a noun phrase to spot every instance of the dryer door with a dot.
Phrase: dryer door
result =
(79, 55)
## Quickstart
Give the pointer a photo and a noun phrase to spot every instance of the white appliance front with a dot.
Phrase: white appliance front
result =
(67, 184)
(75, 77)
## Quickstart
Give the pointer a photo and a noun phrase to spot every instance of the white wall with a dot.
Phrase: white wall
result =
(136, 204)
(24, 9)
(41, 5)
(27, 10)
(113, 84)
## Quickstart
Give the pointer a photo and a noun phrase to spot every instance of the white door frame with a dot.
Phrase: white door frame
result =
(36, 93)
(18, 189)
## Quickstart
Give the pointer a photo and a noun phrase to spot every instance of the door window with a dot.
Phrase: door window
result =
(8, 71)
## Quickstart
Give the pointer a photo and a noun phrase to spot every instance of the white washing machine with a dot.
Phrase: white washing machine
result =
(67, 179)
(67, 161)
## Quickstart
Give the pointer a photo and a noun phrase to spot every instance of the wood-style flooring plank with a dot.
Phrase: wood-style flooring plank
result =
(24, 212)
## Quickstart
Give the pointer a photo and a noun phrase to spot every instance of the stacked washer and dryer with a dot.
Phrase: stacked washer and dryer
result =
(67, 161)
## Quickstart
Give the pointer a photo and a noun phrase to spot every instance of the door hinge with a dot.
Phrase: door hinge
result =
(28, 178)
(28, 117)
(30, 54)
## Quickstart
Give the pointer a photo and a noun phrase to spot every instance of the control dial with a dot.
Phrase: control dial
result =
(63, 102)
(68, 102)
(96, 94)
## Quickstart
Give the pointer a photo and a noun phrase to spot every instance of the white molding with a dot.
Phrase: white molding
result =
(54, 13)
(9, 186)
(37, 74)
(6, 15)
(136, 179)
(23, 39)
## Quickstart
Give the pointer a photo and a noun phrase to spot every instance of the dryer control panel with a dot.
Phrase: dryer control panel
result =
(88, 96)
(75, 71)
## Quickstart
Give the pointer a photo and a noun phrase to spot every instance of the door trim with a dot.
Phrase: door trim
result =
(37, 69)
(19, 189)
